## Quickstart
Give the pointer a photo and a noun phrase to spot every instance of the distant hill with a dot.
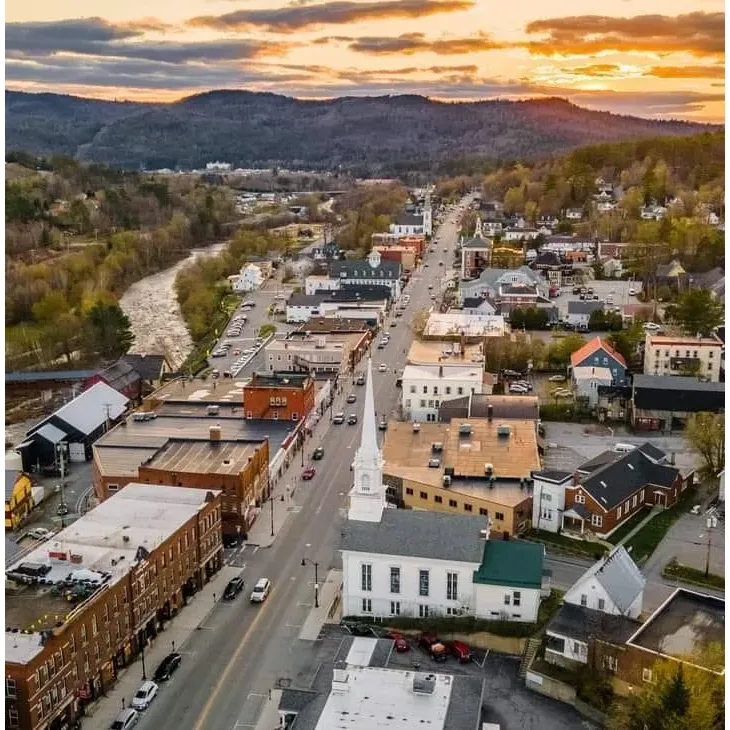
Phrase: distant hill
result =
(261, 129)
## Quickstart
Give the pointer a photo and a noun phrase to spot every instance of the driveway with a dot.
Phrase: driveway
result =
(618, 290)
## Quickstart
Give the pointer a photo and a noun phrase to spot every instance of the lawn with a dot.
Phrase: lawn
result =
(691, 575)
(566, 544)
(618, 535)
(645, 541)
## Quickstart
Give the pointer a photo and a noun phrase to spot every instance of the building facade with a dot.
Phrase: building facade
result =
(425, 387)
(18, 498)
(693, 356)
(282, 396)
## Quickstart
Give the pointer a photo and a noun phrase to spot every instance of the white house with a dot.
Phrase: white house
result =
(421, 564)
(574, 214)
(548, 498)
(606, 206)
(587, 379)
(302, 307)
(374, 271)
(518, 234)
(250, 278)
(653, 212)
(317, 283)
(579, 312)
(408, 224)
(426, 387)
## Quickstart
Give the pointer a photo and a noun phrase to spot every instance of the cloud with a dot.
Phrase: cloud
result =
(698, 33)
(596, 69)
(291, 18)
(411, 43)
(687, 72)
(98, 37)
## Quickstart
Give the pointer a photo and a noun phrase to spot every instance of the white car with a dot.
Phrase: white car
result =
(652, 327)
(557, 378)
(144, 695)
(632, 292)
(382, 367)
(40, 533)
(125, 720)
(261, 591)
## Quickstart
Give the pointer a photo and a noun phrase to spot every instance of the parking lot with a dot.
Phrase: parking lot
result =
(616, 289)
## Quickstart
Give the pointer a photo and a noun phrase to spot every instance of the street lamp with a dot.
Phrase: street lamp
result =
(271, 499)
(316, 579)
(711, 523)
(144, 669)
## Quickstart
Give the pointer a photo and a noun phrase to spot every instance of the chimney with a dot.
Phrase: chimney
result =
(215, 433)
(490, 411)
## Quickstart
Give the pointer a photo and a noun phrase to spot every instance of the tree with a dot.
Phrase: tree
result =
(697, 312)
(109, 330)
(706, 433)
(559, 352)
(626, 341)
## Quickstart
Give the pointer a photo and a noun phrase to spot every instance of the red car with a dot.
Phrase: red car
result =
(401, 645)
(309, 473)
(461, 651)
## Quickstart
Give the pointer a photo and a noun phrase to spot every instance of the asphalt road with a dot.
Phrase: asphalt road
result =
(232, 662)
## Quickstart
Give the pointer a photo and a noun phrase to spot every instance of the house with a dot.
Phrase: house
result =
(18, 498)
(499, 407)
(73, 427)
(564, 244)
(250, 279)
(317, 283)
(301, 307)
(574, 214)
(491, 280)
(695, 356)
(371, 271)
(425, 387)
(460, 324)
(586, 381)
(672, 274)
(478, 305)
(476, 254)
(556, 269)
(322, 355)
(606, 206)
(328, 252)
(122, 377)
(408, 224)
(403, 255)
(666, 402)
(281, 396)
(598, 353)
(422, 564)
(151, 368)
(520, 234)
(579, 312)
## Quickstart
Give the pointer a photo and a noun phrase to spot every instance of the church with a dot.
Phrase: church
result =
(422, 564)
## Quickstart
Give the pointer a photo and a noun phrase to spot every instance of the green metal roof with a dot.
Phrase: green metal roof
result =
(511, 563)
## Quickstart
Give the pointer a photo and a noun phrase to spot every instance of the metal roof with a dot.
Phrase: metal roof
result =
(50, 433)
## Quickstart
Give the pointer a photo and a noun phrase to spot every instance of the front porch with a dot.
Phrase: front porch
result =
(575, 521)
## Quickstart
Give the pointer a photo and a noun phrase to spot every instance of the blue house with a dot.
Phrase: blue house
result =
(598, 353)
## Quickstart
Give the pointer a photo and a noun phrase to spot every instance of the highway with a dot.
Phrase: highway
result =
(232, 662)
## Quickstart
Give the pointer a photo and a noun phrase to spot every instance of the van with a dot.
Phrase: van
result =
(623, 448)
(461, 651)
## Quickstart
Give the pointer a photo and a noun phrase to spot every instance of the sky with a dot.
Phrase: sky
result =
(651, 58)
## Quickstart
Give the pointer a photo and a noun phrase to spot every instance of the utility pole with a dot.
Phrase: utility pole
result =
(711, 524)
(107, 415)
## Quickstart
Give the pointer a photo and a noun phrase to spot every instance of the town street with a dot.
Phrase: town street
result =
(243, 649)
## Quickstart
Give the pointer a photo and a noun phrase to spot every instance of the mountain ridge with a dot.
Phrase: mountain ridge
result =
(263, 129)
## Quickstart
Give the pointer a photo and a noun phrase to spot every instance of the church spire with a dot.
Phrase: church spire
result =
(368, 450)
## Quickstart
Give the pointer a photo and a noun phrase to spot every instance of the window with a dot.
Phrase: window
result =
(546, 497)
(430, 404)
(10, 687)
(583, 599)
(424, 495)
(13, 720)
(413, 389)
(408, 402)
(367, 605)
(516, 598)
(423, 610)
(423, 403)
(113, 487)
(499, 515)
(423, 581)
(460, 390)
(618, 513)
(610, 663)
(467, 507)
(366, 577)
(601, 604)
(425, 390)
(596, 520)
(438, 499)
(395, 608)
(452, 584)
(83, 633)
(395, 580)
(580, 499)
(634, 500)
(453, 503)
(647, 675)
(409, 490)
(483, 512)
(448, 390)
(641, 496)
(435, 390)
(507, 599)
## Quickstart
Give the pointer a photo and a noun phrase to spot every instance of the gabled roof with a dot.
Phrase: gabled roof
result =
(590, 347)
(511, 563)
(51, 434)
(120, 374)
(586, 624)
(352, 292)
(586, 307)
(477, 242)
(619, 576)
(409, 219)
(150, 367)
(363, 270)
(653, 452)
(614, 483)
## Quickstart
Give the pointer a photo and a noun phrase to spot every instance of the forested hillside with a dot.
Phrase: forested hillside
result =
(367, 135)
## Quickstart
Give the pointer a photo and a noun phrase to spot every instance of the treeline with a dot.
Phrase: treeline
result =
(56, 273)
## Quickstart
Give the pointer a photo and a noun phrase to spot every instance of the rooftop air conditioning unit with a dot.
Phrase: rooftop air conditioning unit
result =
(488, 469)
(446, 481)
(503, 431)
(465, 429)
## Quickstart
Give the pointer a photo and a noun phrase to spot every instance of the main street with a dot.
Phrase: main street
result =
(232, 662)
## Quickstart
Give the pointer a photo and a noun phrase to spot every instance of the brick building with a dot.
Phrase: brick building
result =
(279, 396)
(80, 606)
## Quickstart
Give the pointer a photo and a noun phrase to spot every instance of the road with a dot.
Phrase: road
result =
(232, 662)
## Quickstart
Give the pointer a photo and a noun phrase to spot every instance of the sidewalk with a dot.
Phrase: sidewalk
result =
(328, 593)
(652, 514)
(101, 714)
(269, 717)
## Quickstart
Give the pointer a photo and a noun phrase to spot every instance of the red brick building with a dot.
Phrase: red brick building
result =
(279, 396)
(79, 608)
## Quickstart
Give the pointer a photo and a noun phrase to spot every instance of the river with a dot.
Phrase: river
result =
(152, 308)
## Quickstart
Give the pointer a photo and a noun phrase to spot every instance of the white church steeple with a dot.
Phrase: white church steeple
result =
(367, 496)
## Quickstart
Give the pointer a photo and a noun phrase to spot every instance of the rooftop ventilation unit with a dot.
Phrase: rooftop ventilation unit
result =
(212, 410)
(465, 429)
(488, 469)
(437, 446)
(424, 684)
(503, 431)
(446, 481)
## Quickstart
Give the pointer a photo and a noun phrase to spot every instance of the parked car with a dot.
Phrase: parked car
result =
(261, 591)
(144, 695)
(40, 533)
(382, 368)
(126, 719)
(652, 327)
(168, 666)
(383, 425)
(351, 398)
(352, 420)
(632, 292)
(360, 380)
(426, 639)
(318, 453)
(338, 418)
(309, 473)
(557, 378)
(234, 587)
(461, 651)
(360, 629)
(399, 642)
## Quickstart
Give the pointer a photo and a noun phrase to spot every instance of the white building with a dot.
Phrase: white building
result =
(250, 278)
(314, 284)
(426, 387)
(574, 214)
(408, 224)
(653, 212)
(419, 563)
(427, 215)
(667, 355)
(374, 271)
(519, 234)
(548, 498)
(442, 324)
(579, 312)
(586, 381)
(302, 307)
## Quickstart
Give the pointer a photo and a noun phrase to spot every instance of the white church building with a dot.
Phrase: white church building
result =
(421, 564)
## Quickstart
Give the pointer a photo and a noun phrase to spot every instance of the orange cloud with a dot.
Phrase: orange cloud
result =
(411, 43)
(596, 69)
(701, 34)
(687, 72)
(291, 18)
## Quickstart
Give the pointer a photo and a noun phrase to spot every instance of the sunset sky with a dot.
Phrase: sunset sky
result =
(643, 57)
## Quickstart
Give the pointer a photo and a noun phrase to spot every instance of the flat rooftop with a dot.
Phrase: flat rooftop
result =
(471, 325)
(279, 380)
(201, 390)
(204, 457)
(97, 550)
(683, 627)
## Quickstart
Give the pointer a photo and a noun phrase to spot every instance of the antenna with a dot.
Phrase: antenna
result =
(107, 415)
